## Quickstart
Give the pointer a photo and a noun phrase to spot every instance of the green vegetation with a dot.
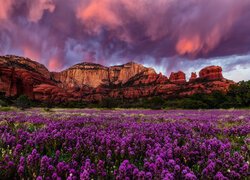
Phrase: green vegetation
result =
(23, 102)
(240, 94)
(5, 109)
(3, 103)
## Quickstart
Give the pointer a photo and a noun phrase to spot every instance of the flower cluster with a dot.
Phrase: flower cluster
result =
(125, 144)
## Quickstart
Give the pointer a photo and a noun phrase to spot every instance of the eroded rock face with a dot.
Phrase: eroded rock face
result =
(24, 63)
(95, 75)
(178, 77)
(146, 78)
(19, 75)
(49, 92)
(121, 74)
(193, 77)
(82, 74)
(211, 73)
(93, 82)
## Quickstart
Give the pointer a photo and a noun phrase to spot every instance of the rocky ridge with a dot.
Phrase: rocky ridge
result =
(94, 82)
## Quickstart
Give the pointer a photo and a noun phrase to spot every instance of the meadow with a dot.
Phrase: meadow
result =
(125, 144)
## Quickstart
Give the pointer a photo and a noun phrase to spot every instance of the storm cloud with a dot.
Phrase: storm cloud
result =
(166, 33)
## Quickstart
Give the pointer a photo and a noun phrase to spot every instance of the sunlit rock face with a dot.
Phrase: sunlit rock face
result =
(178, 77)
(83, 74)
(94, 82)
(95, 75)
(211, 73)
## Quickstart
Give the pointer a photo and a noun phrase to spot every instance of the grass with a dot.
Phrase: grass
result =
(5, 109)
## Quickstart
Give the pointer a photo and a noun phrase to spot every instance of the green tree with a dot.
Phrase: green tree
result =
(109, 103)
(3, 103)
(240, 93)
(156, 102)
(23, 102)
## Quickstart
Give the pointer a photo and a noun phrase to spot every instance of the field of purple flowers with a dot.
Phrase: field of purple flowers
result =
(125, 144)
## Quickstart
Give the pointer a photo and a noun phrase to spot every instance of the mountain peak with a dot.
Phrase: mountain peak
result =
(87, 65)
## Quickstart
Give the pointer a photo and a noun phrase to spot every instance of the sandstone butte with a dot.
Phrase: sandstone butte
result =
(93, 82)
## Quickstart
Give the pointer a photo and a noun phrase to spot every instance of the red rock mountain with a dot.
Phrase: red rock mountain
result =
(94, 82)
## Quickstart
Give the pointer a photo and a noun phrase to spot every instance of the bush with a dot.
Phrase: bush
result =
(3, 103)
(193, 104)
(156, 103)
(109, 103)
(185, 104)
(23, 102)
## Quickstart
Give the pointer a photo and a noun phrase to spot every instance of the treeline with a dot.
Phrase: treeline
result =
(238, 96)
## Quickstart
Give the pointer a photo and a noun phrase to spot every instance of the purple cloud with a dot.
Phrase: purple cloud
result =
(60, 33)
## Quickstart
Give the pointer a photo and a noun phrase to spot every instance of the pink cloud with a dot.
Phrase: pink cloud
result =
(5, 7)
(38, 7)
(98, 13)
(54, 64)
(31, 53)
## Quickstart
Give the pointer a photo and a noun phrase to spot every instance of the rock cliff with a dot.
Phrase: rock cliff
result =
(211, 73)
(193, 77)
(178, 77)
(21, 75)
(94, 75)
(94, 82)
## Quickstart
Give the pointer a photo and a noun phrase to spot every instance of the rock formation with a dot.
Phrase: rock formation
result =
(94, 82)
(21, 75)
(178, 77)
(193, 77)
(94, 75)
(211, 73)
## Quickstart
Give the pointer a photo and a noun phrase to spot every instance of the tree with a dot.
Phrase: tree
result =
(156, 102)
(23, 102)
(109, 103)
(3, 103)
(241, 93)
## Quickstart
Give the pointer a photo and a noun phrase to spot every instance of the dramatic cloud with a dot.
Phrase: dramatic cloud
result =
(5, 8)
(165, 33)
(38, 7)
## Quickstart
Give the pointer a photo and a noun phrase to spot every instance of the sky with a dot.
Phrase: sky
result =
(169, 35)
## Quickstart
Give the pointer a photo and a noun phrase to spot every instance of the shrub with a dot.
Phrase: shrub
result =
(155, 103)
(185, 104)
(23, 102)
(3, 103)
(193, 104)
(109, 103)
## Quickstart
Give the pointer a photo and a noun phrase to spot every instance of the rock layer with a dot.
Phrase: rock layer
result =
(94, 82)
